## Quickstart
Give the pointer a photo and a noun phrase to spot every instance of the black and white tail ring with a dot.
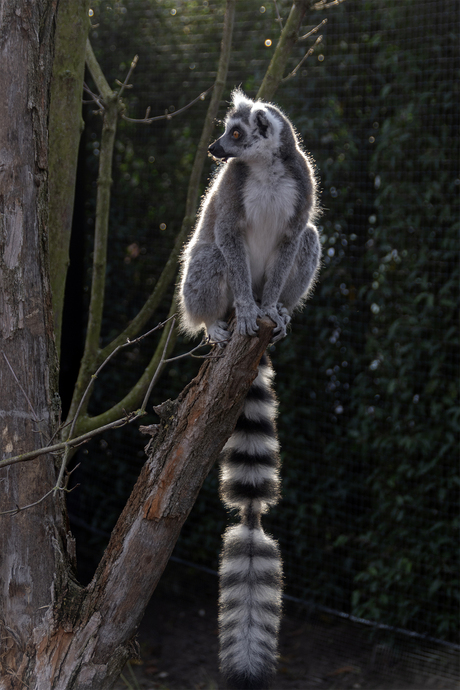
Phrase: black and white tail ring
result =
(250, 569)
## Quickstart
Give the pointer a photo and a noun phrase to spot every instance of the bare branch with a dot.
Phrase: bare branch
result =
(159, 367)
(125, 84)
(313, 31)
(71, 441)
(112, 108)
(307, 54)
(60, 428)
(78, 440)
(204, 342)
(64, 462)
(65, 459)
(19, 509)
(278, 16)
(107, 359)
(21, 388)
(168, 116)
(323, 5)
(95, 98)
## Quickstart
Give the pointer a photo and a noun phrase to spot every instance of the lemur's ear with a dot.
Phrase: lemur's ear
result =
(262, 123)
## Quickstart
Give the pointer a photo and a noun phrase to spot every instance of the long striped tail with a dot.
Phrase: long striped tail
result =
(250, 570)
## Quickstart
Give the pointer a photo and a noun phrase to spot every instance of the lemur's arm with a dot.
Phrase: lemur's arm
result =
(290, 276)
(229, 240)
(286, 252)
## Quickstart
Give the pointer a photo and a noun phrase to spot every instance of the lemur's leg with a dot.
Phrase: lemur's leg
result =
(302, 274)
(206, 293)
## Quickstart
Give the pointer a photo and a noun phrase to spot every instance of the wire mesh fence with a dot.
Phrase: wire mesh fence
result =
(368, 377)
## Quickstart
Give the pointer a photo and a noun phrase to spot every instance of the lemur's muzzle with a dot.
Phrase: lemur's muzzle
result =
(217, 150)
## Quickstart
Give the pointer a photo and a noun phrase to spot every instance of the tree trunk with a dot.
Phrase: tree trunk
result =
(29, 404)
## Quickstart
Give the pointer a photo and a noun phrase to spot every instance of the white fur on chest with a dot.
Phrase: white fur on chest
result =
(269, 201)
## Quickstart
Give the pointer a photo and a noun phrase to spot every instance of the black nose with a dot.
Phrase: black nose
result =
(217, 150)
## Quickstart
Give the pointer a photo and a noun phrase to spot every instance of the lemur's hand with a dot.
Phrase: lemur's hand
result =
(246, 318)
(280, 316)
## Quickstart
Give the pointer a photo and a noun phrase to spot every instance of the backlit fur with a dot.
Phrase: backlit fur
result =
(255, 250)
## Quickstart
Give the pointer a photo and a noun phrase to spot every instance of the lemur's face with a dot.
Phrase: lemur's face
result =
(249, 135)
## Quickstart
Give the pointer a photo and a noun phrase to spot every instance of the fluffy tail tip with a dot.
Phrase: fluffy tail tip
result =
(243, 681)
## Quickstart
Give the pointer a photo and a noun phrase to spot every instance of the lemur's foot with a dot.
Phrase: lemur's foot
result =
(246, 319)
(281, 317)
(218, 333)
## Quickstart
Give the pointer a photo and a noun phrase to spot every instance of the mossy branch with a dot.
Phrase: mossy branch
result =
(66, 125)
(112, 107)
(97, 74)
(289, 37)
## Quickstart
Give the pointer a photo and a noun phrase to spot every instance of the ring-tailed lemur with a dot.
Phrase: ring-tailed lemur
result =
(255, 251)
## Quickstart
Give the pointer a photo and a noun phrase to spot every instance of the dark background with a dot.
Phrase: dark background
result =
(368, 377)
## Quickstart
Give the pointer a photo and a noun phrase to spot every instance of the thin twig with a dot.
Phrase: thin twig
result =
(278, 16)
(307, 54)
(313, 31)
(159, 368)
(65, 460)
(93, 96)
(323, 5)
(19, 509)
(60, 428)
(147, 120)
(78, 440)
(21, 388)
(125, 84)
(203, 343)
(107, 359)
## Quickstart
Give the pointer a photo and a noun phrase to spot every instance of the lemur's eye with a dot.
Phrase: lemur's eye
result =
(236, 134)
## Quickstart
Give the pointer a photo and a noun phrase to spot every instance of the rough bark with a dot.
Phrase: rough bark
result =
(183, 449)
(29, 405)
